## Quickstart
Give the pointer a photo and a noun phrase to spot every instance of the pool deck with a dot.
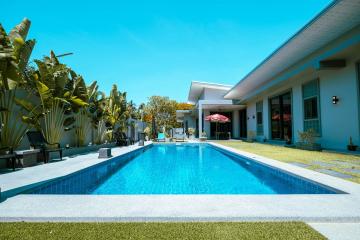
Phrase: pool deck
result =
(303, 207)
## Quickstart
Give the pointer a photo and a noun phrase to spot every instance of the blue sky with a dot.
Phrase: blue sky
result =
(158, 47)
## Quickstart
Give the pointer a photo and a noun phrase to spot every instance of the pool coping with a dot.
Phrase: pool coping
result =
(292, 207)
(22, 180)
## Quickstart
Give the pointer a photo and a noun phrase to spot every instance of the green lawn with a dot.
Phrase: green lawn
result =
(194, 230)
(342, 163)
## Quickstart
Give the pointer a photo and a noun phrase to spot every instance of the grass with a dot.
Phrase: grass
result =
(337, 161)
(152, 230)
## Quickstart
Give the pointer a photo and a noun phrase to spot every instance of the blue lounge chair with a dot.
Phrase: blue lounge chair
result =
(160, 138)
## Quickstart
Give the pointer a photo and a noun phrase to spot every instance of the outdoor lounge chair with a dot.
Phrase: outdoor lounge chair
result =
(38, 141)
(129, 140)
(9, 156)
(180, 139)
(121, 139)
(160, 138)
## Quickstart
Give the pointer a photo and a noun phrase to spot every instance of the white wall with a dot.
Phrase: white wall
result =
(206, 123)
(235, 124)
(250, 112)
(213, 94)
(338, 122)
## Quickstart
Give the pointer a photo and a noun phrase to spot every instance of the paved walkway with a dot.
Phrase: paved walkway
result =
(20, 180)
(336, 216)
(338, 231)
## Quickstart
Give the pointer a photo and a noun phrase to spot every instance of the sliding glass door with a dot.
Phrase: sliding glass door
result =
(281, 124)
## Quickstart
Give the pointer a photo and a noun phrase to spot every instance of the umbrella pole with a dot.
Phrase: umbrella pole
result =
(216, 132)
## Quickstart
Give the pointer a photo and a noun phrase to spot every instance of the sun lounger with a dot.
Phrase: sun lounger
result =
(160, 138)
(37, 141)
(10, 155)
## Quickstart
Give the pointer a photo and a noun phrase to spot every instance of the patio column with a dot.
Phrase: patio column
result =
(200, 120)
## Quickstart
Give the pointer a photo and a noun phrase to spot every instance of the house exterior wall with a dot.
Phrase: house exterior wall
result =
(191, 121)
(235, 124)
(251, 113)
(338, 121)
(213, 94)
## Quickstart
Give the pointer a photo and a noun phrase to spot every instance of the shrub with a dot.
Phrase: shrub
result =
(308, 137)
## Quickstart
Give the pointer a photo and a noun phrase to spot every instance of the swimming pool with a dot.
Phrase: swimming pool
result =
(181, 169)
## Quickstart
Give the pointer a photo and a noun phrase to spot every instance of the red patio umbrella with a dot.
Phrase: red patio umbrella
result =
(217, 118)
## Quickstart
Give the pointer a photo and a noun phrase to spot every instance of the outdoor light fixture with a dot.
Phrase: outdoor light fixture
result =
(335, 99)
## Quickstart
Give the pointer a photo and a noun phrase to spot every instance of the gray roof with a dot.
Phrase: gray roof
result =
(338, 18)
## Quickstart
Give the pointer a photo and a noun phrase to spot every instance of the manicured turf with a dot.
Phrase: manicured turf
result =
(342, 163)
(196, 231)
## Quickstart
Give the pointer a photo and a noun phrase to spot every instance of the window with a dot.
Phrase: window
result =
(281, 117)
(311, 101)
(311, 109)
(259, 119)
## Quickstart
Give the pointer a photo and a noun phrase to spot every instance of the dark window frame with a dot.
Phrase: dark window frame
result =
(260, 112)
(317, 96)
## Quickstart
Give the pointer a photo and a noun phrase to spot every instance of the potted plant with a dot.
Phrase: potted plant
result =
(191, 132)
(351, 146)
(251, 135)
(147, 132)
(203, 137)
(308, 140)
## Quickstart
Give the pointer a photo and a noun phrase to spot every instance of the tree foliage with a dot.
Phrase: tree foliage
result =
(184, 106)
(163, 110)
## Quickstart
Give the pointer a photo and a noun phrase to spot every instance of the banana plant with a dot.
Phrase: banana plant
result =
(116, 109)
(12, 128)
(61, 93)
(82, 127)
(97, 103)
(15, 53)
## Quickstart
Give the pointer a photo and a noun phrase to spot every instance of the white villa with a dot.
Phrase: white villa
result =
(311, 81)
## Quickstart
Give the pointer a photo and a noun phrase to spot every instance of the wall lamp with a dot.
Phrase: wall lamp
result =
(335, 100)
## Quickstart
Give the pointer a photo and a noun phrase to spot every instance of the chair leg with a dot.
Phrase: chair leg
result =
(60, 152)
(45, 157)
(13, 163)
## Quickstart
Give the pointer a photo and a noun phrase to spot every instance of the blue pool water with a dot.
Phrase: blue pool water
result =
(182, 169)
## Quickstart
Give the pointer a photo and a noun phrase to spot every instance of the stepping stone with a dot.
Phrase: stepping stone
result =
(303, 165)
(344, 163)
(323, 164)
(333, 173)
(352, 170)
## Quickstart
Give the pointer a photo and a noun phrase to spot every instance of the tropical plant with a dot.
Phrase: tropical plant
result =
(147, 131)
(251, 136)
(15, 52)
(61, 92)
(97, 103)
(101, 132)
(116, 110)
(191, 131)
(308, 137)
(12, 128)
(82, 127)
(96, 111)
(53, 121)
